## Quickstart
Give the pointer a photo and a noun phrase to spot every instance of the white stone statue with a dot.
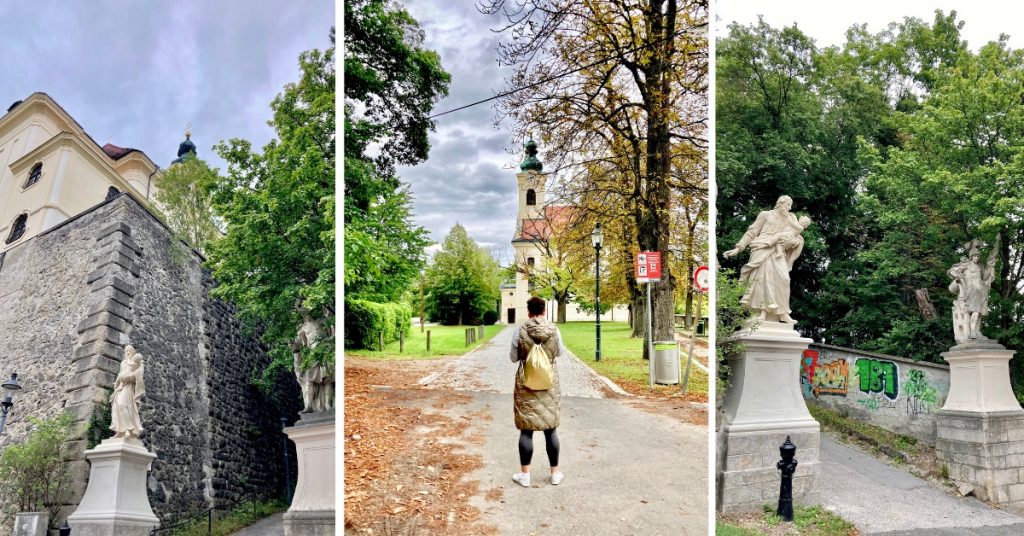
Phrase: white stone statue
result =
(316, 381)
(129, 388)
(971, 283)
(775, 241)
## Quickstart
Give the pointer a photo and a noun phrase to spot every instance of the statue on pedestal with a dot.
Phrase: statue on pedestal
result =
(971, 283)
(775, 240)
(317, 380)
(129, 388)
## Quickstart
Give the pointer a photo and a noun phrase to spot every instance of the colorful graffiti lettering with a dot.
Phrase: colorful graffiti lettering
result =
(831, 378)
(808, 363)
(921, 396)
(877, 376)
(874, 402)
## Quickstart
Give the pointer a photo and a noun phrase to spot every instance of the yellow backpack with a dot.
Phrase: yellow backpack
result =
(537, 372)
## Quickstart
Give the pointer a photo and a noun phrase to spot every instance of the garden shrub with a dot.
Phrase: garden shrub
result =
(33, 475)
(490, 317)
(365, 320)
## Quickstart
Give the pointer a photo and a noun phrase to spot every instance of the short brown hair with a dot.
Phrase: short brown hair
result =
(535, 306)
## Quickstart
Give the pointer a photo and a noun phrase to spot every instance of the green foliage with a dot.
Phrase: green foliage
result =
(233, 521)
(901, 146)
(278, 208)
(729, 315)
(99, 426)
(462, 282)
(184, 200)
(33, 475)
(444, 341)
(365, 321)
(391, 84)
(490, 317)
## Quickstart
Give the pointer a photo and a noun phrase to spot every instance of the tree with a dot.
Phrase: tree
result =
(33, 474)
(462, 282)
(391, 84)
(278, 206)
(184, 200)
(617, 91)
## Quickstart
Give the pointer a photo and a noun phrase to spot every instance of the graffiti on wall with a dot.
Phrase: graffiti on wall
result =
(878, 376)
(823, 378)
(921, 396)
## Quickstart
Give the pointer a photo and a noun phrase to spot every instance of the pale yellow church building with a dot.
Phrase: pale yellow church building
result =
(536, 220)
(52, 170)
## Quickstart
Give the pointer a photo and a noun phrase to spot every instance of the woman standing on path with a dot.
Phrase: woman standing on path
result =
(536, 410)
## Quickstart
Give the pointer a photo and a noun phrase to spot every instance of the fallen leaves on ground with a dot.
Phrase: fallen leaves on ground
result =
(405, 475)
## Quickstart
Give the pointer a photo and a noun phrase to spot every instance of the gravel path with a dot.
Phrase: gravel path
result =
(489, 369)
(879, 499)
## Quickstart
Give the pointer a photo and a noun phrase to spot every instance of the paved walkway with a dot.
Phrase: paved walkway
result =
(488, 369)
(268, 526)
(881, 499)
(628, 472)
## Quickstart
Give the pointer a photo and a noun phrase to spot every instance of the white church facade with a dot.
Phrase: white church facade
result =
(536, 221)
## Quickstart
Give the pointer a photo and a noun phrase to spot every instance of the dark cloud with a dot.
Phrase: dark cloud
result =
(469, 178)
(133, 73)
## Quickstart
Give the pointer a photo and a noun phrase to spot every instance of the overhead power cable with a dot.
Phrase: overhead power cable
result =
(557, 76)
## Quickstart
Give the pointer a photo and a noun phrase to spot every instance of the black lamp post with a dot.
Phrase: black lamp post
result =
(9, 387)
(787, 466)
(597, 237)
(287, 463)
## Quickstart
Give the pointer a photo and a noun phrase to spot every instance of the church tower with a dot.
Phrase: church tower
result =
(532, 230)
(531, 185)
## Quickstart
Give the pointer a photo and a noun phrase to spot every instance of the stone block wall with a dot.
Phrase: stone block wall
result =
(73, 297)
(985, 450)
(748, 477)
(890, 392)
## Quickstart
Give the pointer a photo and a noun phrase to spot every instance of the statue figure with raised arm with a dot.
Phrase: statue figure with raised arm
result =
(971, 283)
(775, 240)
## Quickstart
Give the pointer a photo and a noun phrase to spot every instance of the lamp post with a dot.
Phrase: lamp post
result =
(9, 387)
(597, 237)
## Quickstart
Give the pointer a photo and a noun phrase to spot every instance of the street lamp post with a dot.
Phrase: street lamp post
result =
(9, 387)
(598, 238)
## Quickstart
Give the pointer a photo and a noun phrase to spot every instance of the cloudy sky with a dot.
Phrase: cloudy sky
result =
(469, 177)
(984, 21)
(134, 73)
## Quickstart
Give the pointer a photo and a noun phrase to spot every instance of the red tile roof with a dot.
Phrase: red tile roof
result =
(540, 228)
(116, 152)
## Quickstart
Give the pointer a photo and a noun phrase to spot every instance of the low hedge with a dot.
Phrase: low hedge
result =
(365, 320)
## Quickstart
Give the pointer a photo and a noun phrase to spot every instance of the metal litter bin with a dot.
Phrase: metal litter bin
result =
(666, 362)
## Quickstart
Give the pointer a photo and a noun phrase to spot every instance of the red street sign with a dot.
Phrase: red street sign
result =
(700, 278)
(648, 266)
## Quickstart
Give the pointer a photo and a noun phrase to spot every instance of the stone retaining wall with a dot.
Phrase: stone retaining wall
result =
(72, 297)
(890, 392)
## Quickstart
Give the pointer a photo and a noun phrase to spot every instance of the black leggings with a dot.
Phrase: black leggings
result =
(526, 446)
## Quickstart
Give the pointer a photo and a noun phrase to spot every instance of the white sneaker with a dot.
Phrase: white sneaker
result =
(556, 478)
(523, 479)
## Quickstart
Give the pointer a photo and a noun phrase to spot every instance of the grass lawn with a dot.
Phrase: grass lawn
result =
(622, 359)
(444, 341)
(807, 521)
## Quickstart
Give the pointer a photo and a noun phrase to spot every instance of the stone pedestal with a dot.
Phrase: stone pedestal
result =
(31, 523)
(116, 502)
(762, 406)
(980, 429)
(312, 510)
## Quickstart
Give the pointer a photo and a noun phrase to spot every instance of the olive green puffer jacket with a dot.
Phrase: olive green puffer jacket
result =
(537, 410)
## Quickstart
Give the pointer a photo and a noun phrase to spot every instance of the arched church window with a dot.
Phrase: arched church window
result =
(33, 176)
(18, 228)
(530, 262)
(112, 192)
(531, 197)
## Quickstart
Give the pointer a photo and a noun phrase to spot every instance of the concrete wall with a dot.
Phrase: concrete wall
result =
(894, 393)
(72, 297)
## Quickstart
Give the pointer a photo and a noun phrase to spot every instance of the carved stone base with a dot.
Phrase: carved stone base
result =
(116, 502)
(762, 406)
(979, 378)
(312, 510)
(985, 450)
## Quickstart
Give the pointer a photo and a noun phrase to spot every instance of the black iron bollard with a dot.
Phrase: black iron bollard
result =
(787, 465)
(65, 529)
